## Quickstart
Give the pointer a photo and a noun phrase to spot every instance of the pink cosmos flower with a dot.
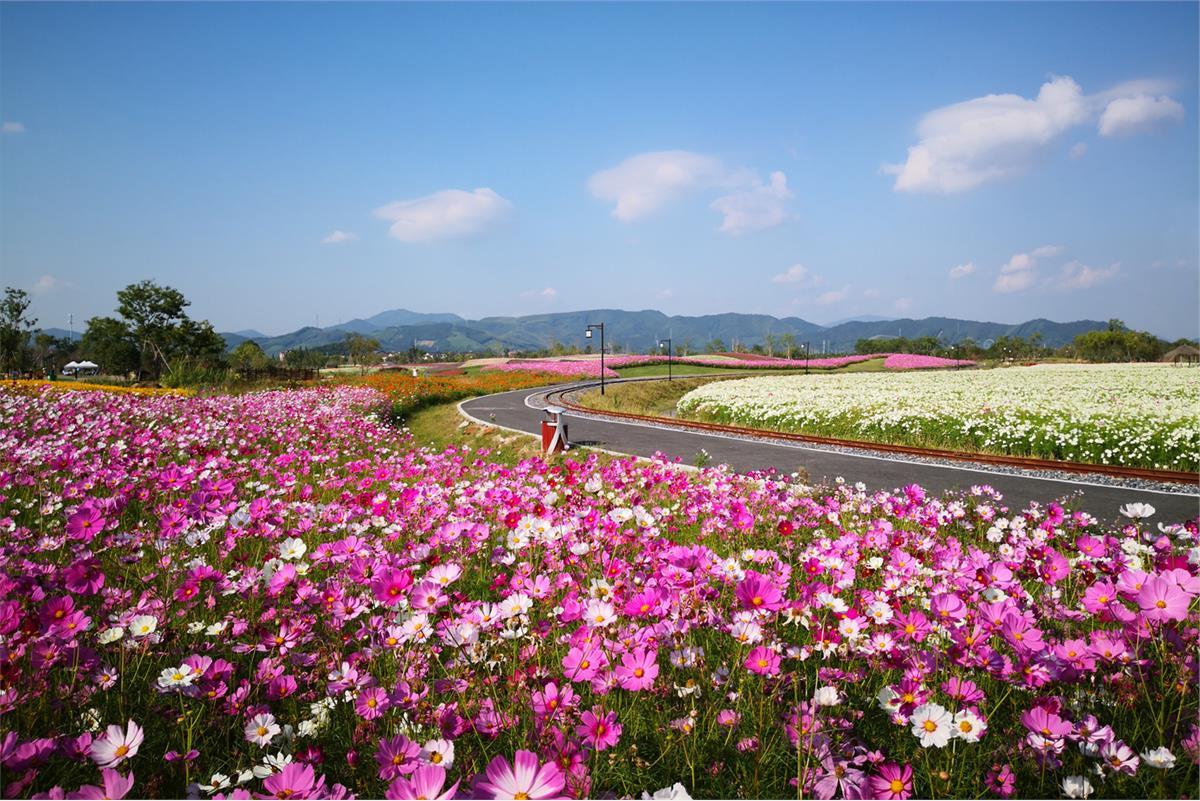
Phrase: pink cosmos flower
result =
(1161, 600)
(763, 661)
(600, 730)
(295, 781)
(583, 665)
(389, 585)
(551, 698)
(115, 787)
(1001, 781)
(912, 625)
(637, 670)
(756, 592)
(117, 745)
(426, 782)
(397, 756)
(1120, 757)
(371, 703)
(892, 783)
(524, 778)
(1046, 723)
(85, 524)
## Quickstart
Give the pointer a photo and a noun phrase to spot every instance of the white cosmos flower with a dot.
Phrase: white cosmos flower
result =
(438, 752)
(1160, 758)
(177, 677)
(1137, 511)
(292, 548)
(1076, 787)
(111, 635)
(827, 696)
(261, 729)
(932, 724)
(143, 625)
(676, 792)
(968, 726)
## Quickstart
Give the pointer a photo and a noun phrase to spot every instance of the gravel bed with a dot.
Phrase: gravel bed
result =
(539, 402)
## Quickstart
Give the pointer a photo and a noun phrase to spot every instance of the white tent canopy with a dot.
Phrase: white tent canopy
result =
(86, 365)
(71, 366)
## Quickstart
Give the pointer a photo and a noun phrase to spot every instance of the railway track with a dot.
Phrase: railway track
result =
(563, 398)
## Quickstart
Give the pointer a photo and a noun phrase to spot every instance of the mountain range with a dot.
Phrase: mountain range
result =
(638, 331)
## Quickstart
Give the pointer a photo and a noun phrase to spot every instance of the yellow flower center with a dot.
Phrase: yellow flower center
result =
(896, 786)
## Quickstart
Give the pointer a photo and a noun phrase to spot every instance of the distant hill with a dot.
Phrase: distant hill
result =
(639, 331)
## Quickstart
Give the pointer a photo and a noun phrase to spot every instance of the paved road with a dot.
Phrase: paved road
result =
(886, 472)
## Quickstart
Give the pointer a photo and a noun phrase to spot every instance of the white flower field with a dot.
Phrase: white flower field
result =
(1144, 415)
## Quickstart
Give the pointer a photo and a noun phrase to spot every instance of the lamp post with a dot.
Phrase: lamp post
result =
(667, 342)
(588, 335)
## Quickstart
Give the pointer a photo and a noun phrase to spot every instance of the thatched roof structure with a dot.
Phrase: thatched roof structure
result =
(1183, 353)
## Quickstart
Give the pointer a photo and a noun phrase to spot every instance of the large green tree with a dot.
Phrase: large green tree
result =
(249, 356)
(108, 342)
(15, 330)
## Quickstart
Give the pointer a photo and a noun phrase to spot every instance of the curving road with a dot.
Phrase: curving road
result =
(510, 410)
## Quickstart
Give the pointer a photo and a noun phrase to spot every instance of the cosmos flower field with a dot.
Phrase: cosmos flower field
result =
(1143, 415)
(277, 595)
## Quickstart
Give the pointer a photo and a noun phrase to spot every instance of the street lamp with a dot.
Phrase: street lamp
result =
(588, 335)
(667, 342)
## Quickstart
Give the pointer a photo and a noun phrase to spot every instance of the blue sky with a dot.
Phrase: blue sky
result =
(283, 164)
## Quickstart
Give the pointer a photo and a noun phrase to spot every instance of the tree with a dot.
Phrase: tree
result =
(360, 347)
(770, 342)
(304, 358)
(715, 346)
(15, 329)
(788, 341)
(109, 343)
(249, 356)
(50, 351)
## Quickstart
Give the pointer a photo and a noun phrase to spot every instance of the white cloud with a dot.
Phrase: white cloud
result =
(549, 293)
(48, 283)
(902, 304)
(664, 294)
(1078, 150)
(833, 296)
(1075, 275)
(870, 292)
(448, 214)
(338, 237)
(760, 206)
(797, 275)
(962, 270)
(975, 142)
(12, 127)
(1020, 272)
(1126, 116)
(642, 184)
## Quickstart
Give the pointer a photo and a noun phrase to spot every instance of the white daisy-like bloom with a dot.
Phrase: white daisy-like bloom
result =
(516, 604)
(888, 699)
(850, 627)
(827, 696)
(746, 632)
(261, 729)
(1076, 787)
(600, 588)
(292, 548)
(968, 726)
(932, 724)
(1160, 758)
(111, 635)
(438, 752)
(580, 548)
(600, 614)
(219, 781)
(880, 611)
(272, 764)
(1137, 511)
(216, 628)
(676, 792)
(143, 626)
(177, 677)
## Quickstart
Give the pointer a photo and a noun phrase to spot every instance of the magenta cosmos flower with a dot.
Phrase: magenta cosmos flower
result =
(115, 786)
(426, 782)
(1161, 599)
(763, 661)
(637, 670)
(599, 730)
(756, 591)
(397, 756)
(390, 584)
(85, 524)
(893, 782)
(295, 781)
(524, 778)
